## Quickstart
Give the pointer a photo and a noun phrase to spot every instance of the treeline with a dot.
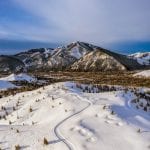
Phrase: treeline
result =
(96, 88)
(142, 100)
(109, 77)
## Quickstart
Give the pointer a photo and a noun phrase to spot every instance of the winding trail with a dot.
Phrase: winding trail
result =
(56, 129)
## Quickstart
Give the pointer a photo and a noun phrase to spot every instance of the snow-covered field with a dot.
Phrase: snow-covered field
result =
(6, 85)
(19, 77)
(5, 82)
(70, 119)
(145, 73)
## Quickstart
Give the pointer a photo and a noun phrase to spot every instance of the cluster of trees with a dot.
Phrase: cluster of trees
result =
(111, 77)
(142, 101)
(14, 91)
(95, 88)
(4, 111)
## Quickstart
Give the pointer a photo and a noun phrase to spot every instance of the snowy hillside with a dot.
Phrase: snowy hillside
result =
(19, 77)
(142, 58)
(5, 82)
(6, 85)
(145, 73)
(10, 64)
(60, 116)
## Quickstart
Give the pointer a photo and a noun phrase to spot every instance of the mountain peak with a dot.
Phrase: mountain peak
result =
(80, 56)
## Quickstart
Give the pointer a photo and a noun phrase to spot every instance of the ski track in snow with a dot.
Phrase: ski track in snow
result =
(56, 129)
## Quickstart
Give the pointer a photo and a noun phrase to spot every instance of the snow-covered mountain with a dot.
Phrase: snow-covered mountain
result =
(78, 56)
(10, 64)
(97, 61)
(58, 58)
(35, 58)
(100, 59)
(142, 58)
(66, 56)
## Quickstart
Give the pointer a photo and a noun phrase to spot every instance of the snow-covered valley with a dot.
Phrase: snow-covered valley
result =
(70, 119)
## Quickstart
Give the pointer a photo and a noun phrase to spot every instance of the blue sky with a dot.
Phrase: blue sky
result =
(121, 25)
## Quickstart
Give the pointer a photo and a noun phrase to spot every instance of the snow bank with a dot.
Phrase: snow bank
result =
(5, 85)
(75, 52)
(145, 73)
(19, 77)
(142, 58)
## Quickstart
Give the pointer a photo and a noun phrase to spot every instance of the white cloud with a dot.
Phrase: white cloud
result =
(98, 21)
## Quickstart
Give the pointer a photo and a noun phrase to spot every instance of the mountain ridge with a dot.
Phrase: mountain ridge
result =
(77, 56)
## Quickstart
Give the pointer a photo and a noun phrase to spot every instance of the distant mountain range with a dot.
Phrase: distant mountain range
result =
(142, 58)
(77, 56)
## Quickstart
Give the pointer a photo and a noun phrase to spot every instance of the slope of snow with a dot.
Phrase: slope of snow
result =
(19, 77)
(70, 119)
(75, 52)
(48, 52)
(145, 73)
(142, 58)
(5, 85)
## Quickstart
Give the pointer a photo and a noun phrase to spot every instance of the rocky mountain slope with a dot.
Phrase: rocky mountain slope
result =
(77, 56)
(56, 59)
(97, 61)
(10, 64)
(35, 58)
(100, 59)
